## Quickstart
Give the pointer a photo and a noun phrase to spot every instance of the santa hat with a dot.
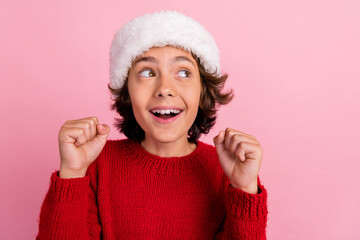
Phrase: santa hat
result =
(156, 30)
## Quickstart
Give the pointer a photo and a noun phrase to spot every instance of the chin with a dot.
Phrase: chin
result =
(166, 137)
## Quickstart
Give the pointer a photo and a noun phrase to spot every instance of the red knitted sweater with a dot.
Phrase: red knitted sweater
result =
(128, 193)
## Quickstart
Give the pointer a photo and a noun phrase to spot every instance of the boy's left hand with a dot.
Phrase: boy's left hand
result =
(240, 156)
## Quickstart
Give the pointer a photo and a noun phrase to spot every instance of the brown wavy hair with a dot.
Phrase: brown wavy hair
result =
(211, 97)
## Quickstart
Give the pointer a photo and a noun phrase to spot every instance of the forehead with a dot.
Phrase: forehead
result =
(165, 51)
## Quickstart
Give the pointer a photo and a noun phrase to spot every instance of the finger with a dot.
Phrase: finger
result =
(219, 139)
(219, 142)
(102, 129)
(229, 133)
(100, 139)
(77, 136)
(93, 118)
(240, 152)
(88, 126)
(90, 120)
(246, 150)
(242, 133)
(235, 139)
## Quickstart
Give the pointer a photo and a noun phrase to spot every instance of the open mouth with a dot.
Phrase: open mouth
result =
(165, 114)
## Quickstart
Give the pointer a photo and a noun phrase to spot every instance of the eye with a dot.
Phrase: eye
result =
(146, 73)
(184, 73)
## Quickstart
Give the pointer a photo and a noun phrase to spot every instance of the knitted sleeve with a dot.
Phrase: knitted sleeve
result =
(246, 213)
(69, 210)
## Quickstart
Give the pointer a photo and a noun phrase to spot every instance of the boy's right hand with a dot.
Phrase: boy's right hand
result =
(80, 143)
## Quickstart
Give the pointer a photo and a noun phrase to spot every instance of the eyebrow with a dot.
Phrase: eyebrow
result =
(152, 59)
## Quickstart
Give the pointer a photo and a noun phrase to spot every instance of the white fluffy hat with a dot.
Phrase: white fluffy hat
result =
(156, 30)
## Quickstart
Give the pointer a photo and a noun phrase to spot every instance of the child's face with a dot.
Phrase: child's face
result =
(165, 79)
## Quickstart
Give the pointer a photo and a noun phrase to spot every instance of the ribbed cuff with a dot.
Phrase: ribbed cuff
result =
(68, 190)
(247, 206)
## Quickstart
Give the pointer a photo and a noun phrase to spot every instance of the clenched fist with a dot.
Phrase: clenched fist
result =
(80, 143)
(240, 156)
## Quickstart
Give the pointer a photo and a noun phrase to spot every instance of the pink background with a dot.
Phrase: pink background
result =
(294, 65)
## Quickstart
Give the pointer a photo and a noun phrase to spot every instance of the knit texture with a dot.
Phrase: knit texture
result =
(128, 193)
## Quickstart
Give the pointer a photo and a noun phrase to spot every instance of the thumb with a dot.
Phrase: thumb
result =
(103, 131)
(219, 142)
(95, 146)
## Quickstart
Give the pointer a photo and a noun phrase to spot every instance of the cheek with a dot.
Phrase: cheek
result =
(135, 92)
(193, 99)
(138, 111)
(136, 101)
(138, 106)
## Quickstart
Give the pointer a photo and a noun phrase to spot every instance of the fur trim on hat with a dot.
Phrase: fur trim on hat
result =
(156, 30)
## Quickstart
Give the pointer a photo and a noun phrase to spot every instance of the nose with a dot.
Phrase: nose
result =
(165, 87)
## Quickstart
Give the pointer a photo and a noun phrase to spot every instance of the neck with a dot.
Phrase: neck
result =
(178, 148)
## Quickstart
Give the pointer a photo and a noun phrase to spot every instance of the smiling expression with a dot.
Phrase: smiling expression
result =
(164, 87)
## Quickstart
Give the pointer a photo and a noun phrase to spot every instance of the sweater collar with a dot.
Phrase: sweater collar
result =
(166, 165)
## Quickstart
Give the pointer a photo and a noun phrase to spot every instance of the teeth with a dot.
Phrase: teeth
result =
(168, 111)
